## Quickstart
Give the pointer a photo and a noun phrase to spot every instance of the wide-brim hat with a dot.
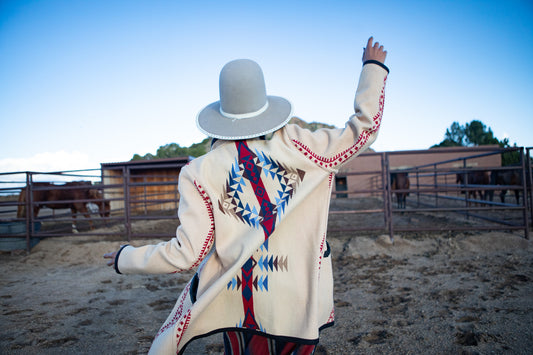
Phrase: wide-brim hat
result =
(244, 110)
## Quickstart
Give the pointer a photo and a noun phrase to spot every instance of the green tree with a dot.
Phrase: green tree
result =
(173, 150)
(454, 136)
(476, 133)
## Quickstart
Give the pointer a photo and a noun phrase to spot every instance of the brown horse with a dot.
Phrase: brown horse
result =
(479, 177)
(400, 181)
(510, 178)
(74, 195)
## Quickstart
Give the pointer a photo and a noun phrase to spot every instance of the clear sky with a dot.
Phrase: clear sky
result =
(90, 82)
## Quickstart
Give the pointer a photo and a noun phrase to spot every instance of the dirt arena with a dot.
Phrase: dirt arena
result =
(440, 293)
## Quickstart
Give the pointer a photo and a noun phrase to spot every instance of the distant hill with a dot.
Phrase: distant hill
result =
(173, 150)
(313, 126)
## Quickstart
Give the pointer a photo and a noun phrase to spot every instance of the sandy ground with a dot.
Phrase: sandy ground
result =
(447, 293)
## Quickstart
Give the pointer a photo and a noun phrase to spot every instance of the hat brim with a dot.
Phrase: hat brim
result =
(211, 122)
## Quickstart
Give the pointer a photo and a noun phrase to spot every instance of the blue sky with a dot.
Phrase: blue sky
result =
(90, 82)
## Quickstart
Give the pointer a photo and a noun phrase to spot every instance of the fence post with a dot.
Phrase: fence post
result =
(387, 194)
(465, 184)
(126, 182)
(417, 187)
(176, 194)
(29, 210)
(145, 197)
(524, 193)
(529, 183)
(435, 185)
(383, 190)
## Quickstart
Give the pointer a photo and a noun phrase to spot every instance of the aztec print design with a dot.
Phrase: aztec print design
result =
(241, 343)
(267, 263)
(247, 171)
(258, 164)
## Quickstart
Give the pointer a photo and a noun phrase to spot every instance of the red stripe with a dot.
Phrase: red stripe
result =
(258, 345)
(235, 343)
(246, 157)
(253, 174)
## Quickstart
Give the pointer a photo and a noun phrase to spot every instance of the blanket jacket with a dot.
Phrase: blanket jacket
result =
(253, 217)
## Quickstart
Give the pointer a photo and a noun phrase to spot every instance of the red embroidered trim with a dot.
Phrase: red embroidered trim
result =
(179, 311)
(208, 242)
(331, 316)
(322, 244)
(184, 324)
(344, 155)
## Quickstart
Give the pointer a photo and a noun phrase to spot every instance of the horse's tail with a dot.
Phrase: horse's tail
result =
(21, 209)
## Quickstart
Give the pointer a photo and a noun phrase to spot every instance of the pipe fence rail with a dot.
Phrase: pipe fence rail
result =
(120, 201)
(442, 188)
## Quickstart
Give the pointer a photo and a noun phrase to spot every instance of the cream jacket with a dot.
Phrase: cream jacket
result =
(253, 222)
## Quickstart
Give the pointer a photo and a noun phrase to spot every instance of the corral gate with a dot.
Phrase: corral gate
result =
(141, 193)
(434, 189)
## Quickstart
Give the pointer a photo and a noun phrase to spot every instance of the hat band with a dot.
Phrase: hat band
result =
(240, 116)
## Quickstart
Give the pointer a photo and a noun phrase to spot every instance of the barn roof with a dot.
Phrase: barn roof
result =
(152, 164)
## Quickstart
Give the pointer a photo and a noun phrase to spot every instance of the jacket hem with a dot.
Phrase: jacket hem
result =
(256, 332)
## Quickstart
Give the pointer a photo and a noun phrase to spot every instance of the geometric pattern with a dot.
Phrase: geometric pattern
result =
(266, 263)
(231, 201)
(260, 283)
(254, 277)
(246, 198)
(270, 263)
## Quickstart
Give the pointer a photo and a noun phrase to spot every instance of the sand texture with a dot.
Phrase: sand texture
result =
(447, 293)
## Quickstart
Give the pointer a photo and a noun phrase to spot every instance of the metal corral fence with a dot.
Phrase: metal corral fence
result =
(124, 200)
(470, 192)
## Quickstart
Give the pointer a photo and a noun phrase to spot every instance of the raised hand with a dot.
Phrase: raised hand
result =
(374, 52)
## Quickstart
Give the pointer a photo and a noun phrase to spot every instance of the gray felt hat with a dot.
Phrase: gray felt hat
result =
(244, 110)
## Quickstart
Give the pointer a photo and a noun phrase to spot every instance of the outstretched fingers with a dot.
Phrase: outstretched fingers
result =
(111, 256)
(374, 51)
(369, 42)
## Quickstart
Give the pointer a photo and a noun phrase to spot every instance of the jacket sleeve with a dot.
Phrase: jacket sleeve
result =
(329, 148)
(193, 241)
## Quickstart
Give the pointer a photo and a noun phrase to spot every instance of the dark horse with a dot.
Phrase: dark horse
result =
(479, 177)
(509, 178)
(74, 195)
(400, 181)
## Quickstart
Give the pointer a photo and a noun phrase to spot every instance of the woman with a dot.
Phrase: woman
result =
(253, 215)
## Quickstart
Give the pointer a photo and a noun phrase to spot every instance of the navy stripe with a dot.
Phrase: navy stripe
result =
(116, 258)
(371, 61)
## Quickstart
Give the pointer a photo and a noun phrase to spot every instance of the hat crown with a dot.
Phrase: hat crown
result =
(242, 88)
(244, 110)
